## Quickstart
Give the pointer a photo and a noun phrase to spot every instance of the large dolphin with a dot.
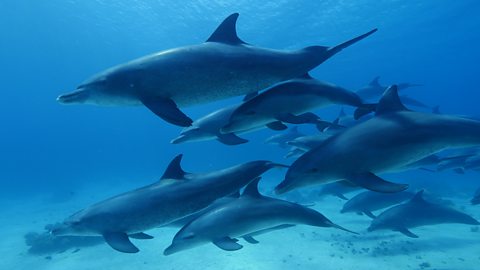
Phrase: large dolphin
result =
(418, 212)
(176, 195)
(368, 201)
(223, 66)
(392, 139)
(291, 102)
(244, 217)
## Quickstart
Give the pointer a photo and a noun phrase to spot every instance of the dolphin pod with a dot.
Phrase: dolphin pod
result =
(392, 139)
(176, 195)
(348, 155)
(224, 66)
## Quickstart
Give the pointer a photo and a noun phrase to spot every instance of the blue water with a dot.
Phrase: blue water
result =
(49, 47)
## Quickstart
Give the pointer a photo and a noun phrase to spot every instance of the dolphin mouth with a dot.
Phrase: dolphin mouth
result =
(77, 96)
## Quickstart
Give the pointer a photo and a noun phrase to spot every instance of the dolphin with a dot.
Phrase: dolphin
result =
(374, 89)
(244, 217)
(368, 201)
(224, 66)
(456, 163)
(338, 189)
(416, 213)
(392, 139)
(290, 102)
(476, 197)
(282, 139)
(309, 142)
(176, 195)
(208, 127)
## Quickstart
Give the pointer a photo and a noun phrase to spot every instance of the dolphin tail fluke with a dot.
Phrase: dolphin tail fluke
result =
(338, 48)
(372, 182)
(364, 109)
(333, 225)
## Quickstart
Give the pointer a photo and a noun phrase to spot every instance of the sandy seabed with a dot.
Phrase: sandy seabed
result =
(449, 246)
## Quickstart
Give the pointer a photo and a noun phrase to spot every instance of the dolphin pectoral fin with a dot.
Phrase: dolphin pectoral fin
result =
(140, 235)
(372, 182)
(166, 109)
(341, 196)
(120, 242)
(304, 118)
(369, 214)
(250, 239)
(230, 139)
(406, 232)
(227, 243)
(277, 125)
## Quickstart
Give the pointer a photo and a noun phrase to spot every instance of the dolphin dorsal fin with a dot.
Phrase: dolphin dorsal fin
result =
(252, 189)
(174, 169)
(418, 197)
(226, 32)
(390, 102)
(375, 82)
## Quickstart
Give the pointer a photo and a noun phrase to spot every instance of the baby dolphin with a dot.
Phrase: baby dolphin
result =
(368, 201)
(387, 142)
(176, 195)
(282, 139)
(250, 214)
(416, 213)
(224, 66)
(290, 102)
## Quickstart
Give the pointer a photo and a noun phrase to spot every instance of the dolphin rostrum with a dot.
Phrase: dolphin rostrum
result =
(418, 212)
(223, 66)
(246, 216)
(176, 195)
(291, 102)
(392, 139)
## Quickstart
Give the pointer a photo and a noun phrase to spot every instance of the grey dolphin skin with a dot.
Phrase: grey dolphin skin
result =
(208, 128)
(290, 102)
(374, 89)
(338, 189)
(282, 139)
(476, 197)
(415, 213)
(176, 195)
(368, 201)
(224, 66)
(249, 215)
(392, 139)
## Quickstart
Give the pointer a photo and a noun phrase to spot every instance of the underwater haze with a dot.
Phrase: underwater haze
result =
(57, 159)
